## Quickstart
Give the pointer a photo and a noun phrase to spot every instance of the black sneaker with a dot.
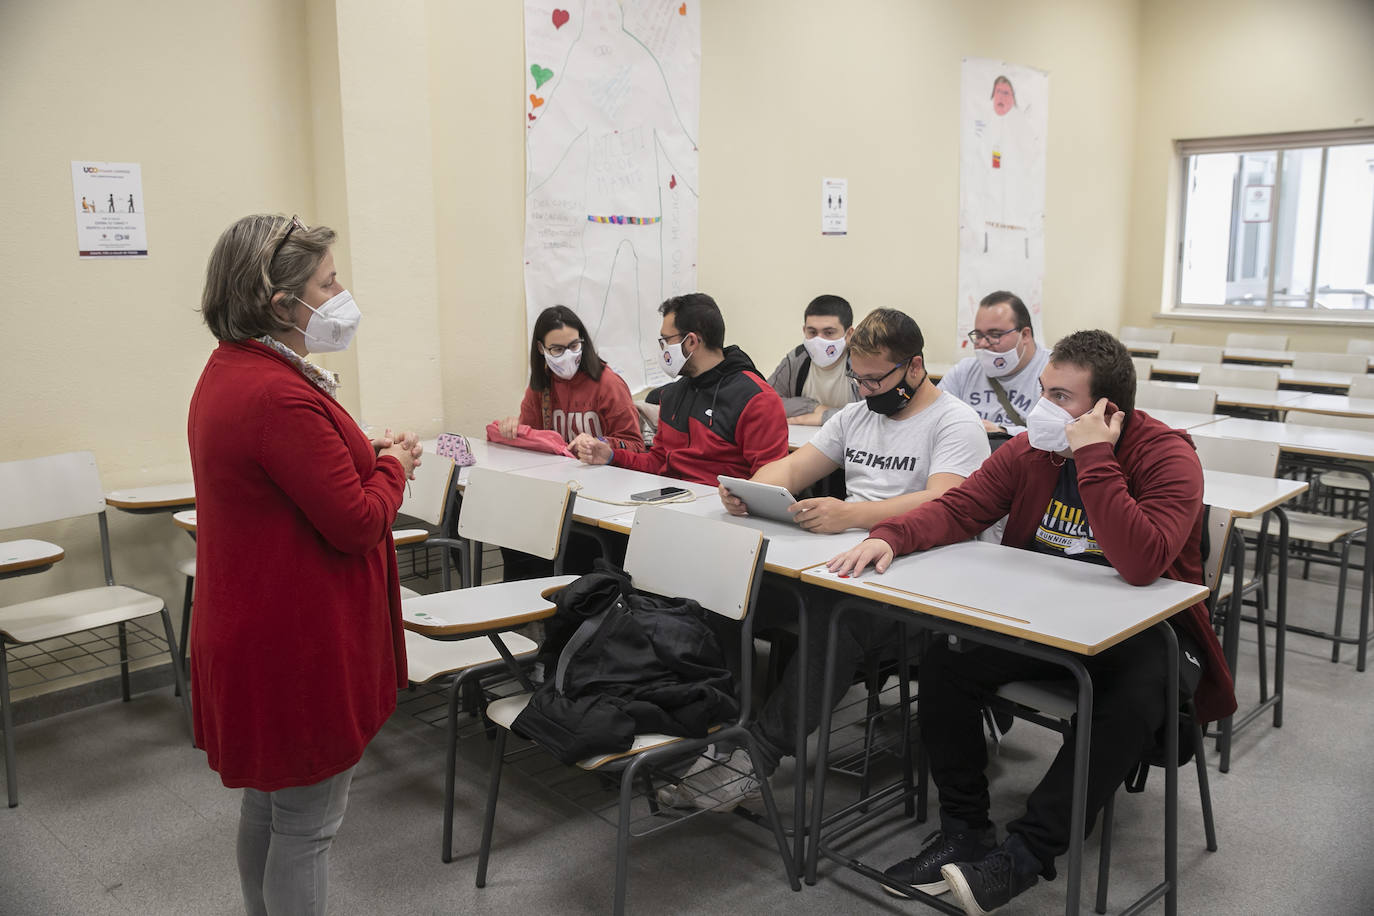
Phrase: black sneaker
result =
(922, 871)
(983, 886)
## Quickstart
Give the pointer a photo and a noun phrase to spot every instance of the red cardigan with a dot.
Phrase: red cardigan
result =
(296, 644)
(1143, 500)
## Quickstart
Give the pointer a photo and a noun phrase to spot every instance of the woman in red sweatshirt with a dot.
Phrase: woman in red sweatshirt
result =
(571, 390)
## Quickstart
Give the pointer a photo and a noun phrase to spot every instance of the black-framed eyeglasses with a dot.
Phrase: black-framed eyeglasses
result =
(991, 336)
(295, 224)
(872, 384)
(663, 341)
(572, 346)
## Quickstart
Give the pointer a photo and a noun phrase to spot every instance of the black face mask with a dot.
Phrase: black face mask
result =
(892, 401)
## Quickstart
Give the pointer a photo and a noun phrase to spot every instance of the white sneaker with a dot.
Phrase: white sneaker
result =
(683, 795)
(727, 784)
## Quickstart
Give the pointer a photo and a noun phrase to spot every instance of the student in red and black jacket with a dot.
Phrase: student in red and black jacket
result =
(720, 417)
(1092, 480)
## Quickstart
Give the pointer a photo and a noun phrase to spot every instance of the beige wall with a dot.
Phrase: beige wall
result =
(103, 354)
(403, 132)
(1227, 68)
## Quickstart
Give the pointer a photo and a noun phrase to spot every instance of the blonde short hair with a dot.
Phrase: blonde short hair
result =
(254, 259)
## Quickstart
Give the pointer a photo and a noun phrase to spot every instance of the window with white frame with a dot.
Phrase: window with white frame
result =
(1282, 224)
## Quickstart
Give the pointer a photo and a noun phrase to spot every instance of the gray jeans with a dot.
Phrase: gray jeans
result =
(283, 846)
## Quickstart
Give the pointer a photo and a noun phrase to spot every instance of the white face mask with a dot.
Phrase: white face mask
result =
(1046, 426)
(565, 366)
(331, 326)
(996, 365)
(824, 353)
(673, 360)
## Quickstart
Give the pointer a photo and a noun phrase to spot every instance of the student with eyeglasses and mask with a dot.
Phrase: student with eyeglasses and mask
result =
(719, 417)
(571, 391)
(1001, 380)
(902, 445)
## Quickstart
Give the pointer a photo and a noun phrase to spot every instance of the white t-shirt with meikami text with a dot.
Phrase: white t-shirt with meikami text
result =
(883, 458)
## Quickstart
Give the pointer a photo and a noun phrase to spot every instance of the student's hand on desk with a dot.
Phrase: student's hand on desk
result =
(992, 427)
(591, 450)
(732, 503)
(1095, 426)
(814, 418)
(822, 515)
(508, 426)
(852, 562)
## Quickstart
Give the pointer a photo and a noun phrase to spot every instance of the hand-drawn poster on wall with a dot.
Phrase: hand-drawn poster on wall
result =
(107, 198)
(1004, 122)
(611, 118)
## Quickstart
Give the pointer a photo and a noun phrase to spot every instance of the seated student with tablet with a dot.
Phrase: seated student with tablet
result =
(903, 445)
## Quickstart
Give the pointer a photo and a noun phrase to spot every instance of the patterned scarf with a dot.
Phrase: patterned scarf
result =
(322, 379)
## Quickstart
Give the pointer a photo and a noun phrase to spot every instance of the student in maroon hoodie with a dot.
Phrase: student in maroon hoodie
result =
(571, 390)
(1093, 480)
(720, 417)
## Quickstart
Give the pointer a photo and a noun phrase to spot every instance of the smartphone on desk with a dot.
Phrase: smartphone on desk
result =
(649, 496)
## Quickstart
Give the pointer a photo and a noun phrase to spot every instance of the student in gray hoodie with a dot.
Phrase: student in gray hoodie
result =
(811, 378)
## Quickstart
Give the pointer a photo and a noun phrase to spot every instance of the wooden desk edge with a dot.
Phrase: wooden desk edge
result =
(148, 503)
(45, 560)
(488, 626)
(934, 608)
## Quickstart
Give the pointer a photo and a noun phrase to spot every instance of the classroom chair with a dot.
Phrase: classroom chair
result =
(1362, 387)
(1193, 353)
(654, 560)
(431, 499)
(1257, 459)
(1330, 533)
(1257, 341)
(533, 516)
(1147, 335)
(50, 489)
(1239, 377)
(1143, 368)
(1149, 396)
(1054, 704)
(1354, 363)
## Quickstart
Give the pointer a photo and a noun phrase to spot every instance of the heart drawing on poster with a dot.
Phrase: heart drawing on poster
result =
(535, 101)
(682, 10)
(541, 75)
(672, 181)
(560, 18)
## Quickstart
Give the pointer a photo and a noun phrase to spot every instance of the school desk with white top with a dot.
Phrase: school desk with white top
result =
(1227, 396)
(1336, 405)
(961, 590)
(1288, 376)
(167, 497)
(25, 557)
(1250, 496)
(797, 436)
(1348, 450)
(1183, 419)
(1268, 358)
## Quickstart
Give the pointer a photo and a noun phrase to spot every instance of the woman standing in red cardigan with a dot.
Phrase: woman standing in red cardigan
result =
(297, 646)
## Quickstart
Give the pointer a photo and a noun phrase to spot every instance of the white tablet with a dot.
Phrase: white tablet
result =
(762, 499)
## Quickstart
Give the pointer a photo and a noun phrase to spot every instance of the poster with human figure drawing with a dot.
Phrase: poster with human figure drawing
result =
(1004, 122)
(611, 114)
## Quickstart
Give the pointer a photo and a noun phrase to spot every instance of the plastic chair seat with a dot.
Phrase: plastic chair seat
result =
(74, 612)
(187, 568)
(1054, 698)
(427, 659)
(1309, 526)
(505, 710)
(408, 593)
(1344, 480)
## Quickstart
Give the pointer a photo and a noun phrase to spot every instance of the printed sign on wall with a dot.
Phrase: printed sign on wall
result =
(110, 218)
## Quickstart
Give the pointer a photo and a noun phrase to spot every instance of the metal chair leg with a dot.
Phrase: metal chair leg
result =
(1204, 788)
(498, 752)
(186, 622)
(450, 764)
(1104, 854)
(7, 722)
(124, 662)
(177, 675)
